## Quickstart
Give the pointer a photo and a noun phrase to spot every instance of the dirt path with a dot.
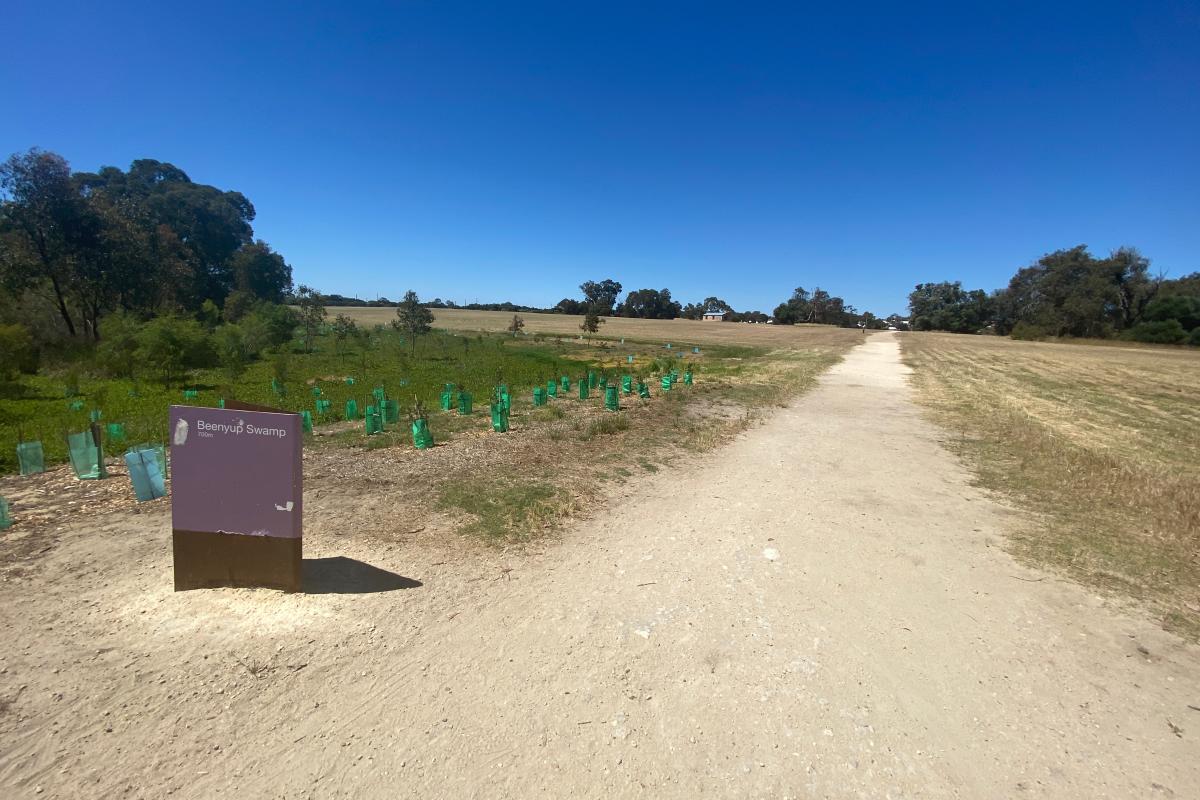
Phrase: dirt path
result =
(820, 609)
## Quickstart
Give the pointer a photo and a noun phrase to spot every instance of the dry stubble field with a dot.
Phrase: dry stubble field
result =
(1101, 443)
(678, 331)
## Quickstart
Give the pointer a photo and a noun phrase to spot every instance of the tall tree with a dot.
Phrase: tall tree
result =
(38, 210)
(649, 304)
(947, 306)
(602, 296)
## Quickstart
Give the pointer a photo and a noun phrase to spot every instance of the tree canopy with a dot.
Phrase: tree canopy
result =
(148, 240)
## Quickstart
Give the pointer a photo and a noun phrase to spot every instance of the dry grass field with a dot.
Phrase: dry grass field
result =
(677, 331)
(1102, 443)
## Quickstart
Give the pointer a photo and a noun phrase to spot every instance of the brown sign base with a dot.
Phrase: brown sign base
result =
(208, 560)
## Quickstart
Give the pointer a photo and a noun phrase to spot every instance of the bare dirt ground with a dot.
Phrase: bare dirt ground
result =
(821, 608)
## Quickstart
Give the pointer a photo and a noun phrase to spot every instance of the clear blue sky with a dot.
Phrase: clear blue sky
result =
(494, 151)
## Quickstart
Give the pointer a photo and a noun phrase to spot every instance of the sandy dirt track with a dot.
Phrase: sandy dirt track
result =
(821, 609)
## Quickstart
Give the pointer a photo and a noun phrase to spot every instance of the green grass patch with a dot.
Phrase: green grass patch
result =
(505, 510)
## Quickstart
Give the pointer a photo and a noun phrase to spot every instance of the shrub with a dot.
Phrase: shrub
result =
(1028, 332)
(1162, 332)
(170, 346)
(117, 351)
(16, 351)
(231, 350)
(1194, 339)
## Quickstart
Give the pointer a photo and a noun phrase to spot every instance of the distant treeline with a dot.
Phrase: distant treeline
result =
(1070, 293)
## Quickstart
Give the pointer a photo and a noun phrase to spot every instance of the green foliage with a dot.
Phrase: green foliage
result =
(117, 353)
(649, 304)
(232, 351)
(818, 307)
(1161, 332)
(1184, 308)
(143, 240)
(602, 296)
(1029, 332)
(16, 351)
(312, 314)
(591, 320)
(412, 318)
(1072, 293)
(947, 306)
(170, 346)
(269, 326)
(1194, 338)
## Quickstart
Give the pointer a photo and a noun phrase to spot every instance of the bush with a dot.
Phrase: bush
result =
(1163, 332)
(268, 326)
(171, 346)
(1184, 308)
(117, 352)
(231, 350)
(1028, 332)
(1194, 339)
(16, 351)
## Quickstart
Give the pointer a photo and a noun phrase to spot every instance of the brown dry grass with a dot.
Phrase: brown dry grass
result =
(1102, 443)
(678, 331)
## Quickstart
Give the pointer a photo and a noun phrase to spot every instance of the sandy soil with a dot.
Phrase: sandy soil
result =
(819, 609)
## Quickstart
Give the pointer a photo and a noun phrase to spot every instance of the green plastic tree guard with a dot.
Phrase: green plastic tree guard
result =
(591, 379)
(316, 391)
(564, 383)
(306, 420)
(278, 387)
(379, 394)
(506, 401)
(466, 403)
(552, 388)
(323, 406)
(5, 519)
(628, 359)
(668, 345)
(87, 458)
(687, 378)
(115, 431)
(446, 400)
(627, 384)
(448, 387)
(30, 458)
(643, 390)
(539, 396)
(75, 405)
(95, 415)
(666, 383)
(220, 402)
(696, 350)
(190, 394)
(583, 389)
(422, 438)
(391, 411)
(612, 400)
(351, 409)
(146, 472)
(349, 381)
(499, 418)
(373, 421)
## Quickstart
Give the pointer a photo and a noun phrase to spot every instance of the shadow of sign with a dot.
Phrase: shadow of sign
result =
(341, 575)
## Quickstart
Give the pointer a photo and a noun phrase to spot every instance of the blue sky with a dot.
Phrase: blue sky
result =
(494, 151)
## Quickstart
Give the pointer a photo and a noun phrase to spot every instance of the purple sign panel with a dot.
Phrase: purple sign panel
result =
(236, 479)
